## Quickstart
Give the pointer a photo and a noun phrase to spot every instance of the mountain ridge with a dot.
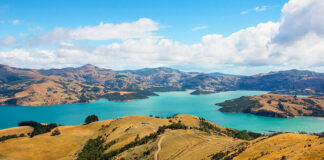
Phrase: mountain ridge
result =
(88, 82)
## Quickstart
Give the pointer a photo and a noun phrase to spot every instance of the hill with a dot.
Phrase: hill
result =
(274, 105)
(140, 137)
(30, 87)
(83, 84)
(292, 82)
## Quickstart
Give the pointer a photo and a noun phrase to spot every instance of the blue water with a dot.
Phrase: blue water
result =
(167, 104)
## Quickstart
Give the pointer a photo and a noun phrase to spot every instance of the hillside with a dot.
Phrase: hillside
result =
(30, 87)
(140, 137)
(292, 82)
(275, 105)
(83, 84)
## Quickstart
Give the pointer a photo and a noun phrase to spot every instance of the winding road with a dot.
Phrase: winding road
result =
(156, 154)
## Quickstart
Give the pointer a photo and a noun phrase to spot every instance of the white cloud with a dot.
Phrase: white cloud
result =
(16, 21)
(143, 27)
(300, 18)
(8, 40)
(260, 8)
(263, 46)
(199, 28)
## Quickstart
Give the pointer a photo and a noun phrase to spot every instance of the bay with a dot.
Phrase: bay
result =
(167, 104)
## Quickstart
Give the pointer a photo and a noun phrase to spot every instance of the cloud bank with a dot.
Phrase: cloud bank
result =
(296, 41)
(143, 27)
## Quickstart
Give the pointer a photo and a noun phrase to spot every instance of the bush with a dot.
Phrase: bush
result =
(56, 132)
(247, 135)
(4, 138)
(28, 123)
(219, 156)
(92, 150)
(38, 127)
(91, 118)
(242, 135)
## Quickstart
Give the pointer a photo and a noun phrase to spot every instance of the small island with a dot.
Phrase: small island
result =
(275, 105)
(202, 92)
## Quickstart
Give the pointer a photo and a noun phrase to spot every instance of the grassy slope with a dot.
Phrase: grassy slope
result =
(290, 145)
(275, 105)
(176, 144)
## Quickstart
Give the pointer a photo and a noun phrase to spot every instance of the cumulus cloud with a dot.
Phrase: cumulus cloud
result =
(199, 28)
(272, 45)
(300, 19)
(104, 31)
(8, 40)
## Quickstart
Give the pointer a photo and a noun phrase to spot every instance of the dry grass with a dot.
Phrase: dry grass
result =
(16, 130)
(176, 144)
(291, 145)
(295, 106)
(48, 147)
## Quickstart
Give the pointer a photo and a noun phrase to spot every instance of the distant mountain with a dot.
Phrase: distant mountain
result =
(285, 82)
(88, 82)
(82, 84)
(224, 74)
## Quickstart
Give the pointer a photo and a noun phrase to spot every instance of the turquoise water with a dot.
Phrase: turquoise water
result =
(167, 104)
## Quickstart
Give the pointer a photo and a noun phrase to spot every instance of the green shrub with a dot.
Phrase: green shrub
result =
(56, 132)
(91, 118)
(92, 150)
(4, 138)
(218, 156)
(38, 127)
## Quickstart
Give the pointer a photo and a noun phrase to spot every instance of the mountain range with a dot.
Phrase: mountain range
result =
(31, 87)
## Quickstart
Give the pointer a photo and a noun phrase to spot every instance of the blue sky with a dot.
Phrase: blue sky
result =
(176, 17)
(182, 22)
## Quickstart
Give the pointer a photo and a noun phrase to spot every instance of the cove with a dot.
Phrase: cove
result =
(167, 104)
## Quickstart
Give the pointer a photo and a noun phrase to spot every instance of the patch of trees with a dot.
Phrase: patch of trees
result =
(4, 138)
(207, 127)
(92, 150)
(245, 135)
(91, 118)
(38, 127)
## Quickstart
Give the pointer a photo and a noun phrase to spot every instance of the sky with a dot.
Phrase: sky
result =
(229, 36)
